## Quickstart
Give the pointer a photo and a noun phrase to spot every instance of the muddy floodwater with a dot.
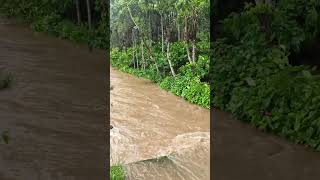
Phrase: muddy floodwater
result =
(55, 111)
(243, 152)
(150, 123)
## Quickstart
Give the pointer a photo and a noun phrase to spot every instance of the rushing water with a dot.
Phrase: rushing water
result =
(243, 152)
(56, 109)
(149, 123)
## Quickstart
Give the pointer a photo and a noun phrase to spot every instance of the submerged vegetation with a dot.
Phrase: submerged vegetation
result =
(5, 80)
(254, 78)
(166, 42)
(4, 137)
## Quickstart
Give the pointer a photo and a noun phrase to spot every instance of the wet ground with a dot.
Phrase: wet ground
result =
(242, 152)
(149, 122)
(56, 109)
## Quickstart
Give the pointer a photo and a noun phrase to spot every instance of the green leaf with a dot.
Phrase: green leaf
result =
(306, 74)
(250, 81)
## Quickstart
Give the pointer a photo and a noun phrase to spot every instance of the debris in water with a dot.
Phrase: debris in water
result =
(111, 126)
(160, 159)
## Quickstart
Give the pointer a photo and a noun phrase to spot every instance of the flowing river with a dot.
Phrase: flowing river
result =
(156, 134)
(56, 109)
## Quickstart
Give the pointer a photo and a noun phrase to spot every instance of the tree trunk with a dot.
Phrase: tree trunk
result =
(136, 52)
(194, 51)
(169, 61)
(142, 56)
(89, 14)
(186, 37)
(142, 35)
(150, 28)
(185, 28)
(188, 53)
(162, 33)
(194, 35)
(133, 54)
(178, 29)
(133, 59)
(78, 11)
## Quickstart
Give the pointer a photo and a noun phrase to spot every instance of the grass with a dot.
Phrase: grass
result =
(117, 172)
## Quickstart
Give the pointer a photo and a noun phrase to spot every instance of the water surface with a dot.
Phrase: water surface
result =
(56, 109)
(150, 122)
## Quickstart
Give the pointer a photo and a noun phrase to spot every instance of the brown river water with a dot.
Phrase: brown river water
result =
(149, 123)
(55, 110)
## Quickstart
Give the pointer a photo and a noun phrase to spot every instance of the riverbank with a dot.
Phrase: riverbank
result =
(58, 19)
(187, 82)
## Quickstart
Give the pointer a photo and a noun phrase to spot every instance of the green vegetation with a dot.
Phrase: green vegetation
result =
(253, 77)
(77, 20)
(117, 172)
(166, 42)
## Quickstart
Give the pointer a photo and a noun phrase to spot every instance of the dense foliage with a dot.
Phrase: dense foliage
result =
(252, 75)
(64, 18)
(165, 41)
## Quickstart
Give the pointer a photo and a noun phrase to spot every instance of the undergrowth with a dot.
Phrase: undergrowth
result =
(253, 78)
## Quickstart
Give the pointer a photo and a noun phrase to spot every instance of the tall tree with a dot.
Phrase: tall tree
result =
(89, 14)
(78, 11)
